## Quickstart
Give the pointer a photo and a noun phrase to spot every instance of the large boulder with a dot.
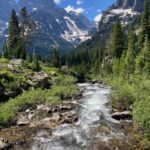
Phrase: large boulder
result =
(38, 79)
(16, 62)
(126, 115)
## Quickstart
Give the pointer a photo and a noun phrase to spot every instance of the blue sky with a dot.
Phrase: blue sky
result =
(90, 8)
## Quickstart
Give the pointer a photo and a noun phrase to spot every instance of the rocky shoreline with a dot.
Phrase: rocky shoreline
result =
(43, 118)
(20, 134)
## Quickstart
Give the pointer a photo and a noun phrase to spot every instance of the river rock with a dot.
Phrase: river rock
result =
(122, 115)
(69, 117)
(65, 108)
(56, 117)
(94, 81)
(22, 121)
(4, 144)
(43, 108)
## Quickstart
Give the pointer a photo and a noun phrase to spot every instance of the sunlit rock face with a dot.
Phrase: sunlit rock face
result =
(126, 10)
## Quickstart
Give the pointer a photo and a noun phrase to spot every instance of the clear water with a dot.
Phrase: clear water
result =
(80, 135)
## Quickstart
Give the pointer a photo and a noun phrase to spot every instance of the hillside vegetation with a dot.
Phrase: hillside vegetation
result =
(23, 87)
(123, 61)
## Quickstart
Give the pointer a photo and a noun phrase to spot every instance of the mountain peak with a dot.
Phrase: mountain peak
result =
(135, 5)
(36, 4)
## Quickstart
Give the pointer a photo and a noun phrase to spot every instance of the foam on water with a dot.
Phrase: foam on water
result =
(78, 135)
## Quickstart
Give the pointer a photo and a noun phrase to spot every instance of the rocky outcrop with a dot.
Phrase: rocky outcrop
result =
(126, 10)
(126, 115)
(20, 79)
(48, 116)
(38, 79)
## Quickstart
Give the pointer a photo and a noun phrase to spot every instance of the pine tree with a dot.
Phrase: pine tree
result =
(130, 55)
(146, 50)
(15, 44)
(143, 60)
(145, 25)
(36, 64)
(118, 40)
(55, 59)
(24, 20)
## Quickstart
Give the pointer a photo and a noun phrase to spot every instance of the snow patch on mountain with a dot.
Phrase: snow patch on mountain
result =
(124, 12)
(74, 32)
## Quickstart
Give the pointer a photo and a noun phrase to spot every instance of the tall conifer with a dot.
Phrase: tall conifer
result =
(145, 25)
(118, 40)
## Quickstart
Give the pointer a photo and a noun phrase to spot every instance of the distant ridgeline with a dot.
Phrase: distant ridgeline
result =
(54, 27)
(127, 12)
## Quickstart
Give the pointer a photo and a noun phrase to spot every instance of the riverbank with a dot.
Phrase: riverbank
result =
(22, 92)
(40, 119)
(132, 96)
(82, 122)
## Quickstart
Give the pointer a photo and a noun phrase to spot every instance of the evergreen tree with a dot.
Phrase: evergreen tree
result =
(118, 40)
(130, 55)
(24, 20)
(55, 59)
(36, 64)
(15, 46)
(145, 25)
(143, 60)
(5, 49)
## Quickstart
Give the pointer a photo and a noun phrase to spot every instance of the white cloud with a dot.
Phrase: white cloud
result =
(58, 1)
(98, 17)
(77, 10)
(80, 2)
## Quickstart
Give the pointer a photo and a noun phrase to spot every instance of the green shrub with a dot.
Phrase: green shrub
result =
(9, 109)
(64, 91)
(123, 96)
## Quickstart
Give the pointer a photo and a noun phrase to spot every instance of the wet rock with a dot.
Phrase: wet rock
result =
(126, 115)
(55, 109)
(69, 118)
(44, 133)
(4, 144)
(65, 108)
(31, 115)
(56, 117)
(77, 97)
(94, 81)
(27, 110)
(22, 121)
